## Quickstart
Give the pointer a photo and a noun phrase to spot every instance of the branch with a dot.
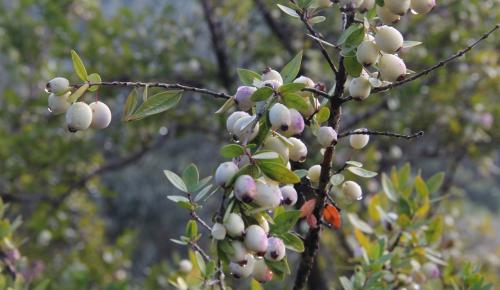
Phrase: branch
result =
(381, 133)
(218, 42)
(437, 65)
(160, 85)
(317, 39)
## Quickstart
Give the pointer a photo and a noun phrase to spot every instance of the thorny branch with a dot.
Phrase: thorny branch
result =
(381, 133)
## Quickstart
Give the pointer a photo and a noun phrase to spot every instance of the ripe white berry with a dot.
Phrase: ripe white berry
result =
(298, 152)
(289, 195)
(231, 120)
(359, 141)
(326, 136)
(58, 104)
(218, 231)
(268, 195)
(360, 88)
(352, 191)
(243, 97)
(388, 39)
(422, 6)
(351, 3)
(242, 271)
(366, 5)
(391, 68)
(387, 16)
(234, 225)
(306, 81)
(240, 253)
(185, 266)
(244, 130)
(297, 124)
(314, 173)
(431, 270)
(245, 188)
(275, 144)
(261, 271)
(272, 75)
(368, 53)
(101, 115)
(225, 172)
(78, 117)
(256, 240)
(58, 86)
(279, 116)
(399, 7)
(275, 249)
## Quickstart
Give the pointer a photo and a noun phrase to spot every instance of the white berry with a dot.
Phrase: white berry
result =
(58, 104)
(234, 225)
(399, 7)
(78, 117)
(245, 188)
(388, 39)
(352, 191)
(298, 151)
(289, 195)
(368, 53)
(58, 86)
(243, 97)
(268, 195)
(359, 141)
(360, 88)
(366, 5)
(387, 16)
(101, 115)
(272, 75)
(231, 120)
(391, 68)
(297, 123)
(275, 144)
(218, 231)
(185, 266)
(314, 173)
(326, 136)
(240, 253)
(275, 249)
(431, 270)
(422, 6)
(225, 173)
(261, 271)
(242, 271)
(279, 116)
(256, 240)
(244, 129)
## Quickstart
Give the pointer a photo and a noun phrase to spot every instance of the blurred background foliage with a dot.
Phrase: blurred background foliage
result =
(93, 203)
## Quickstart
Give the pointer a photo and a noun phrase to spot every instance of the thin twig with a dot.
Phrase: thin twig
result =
(381, 133)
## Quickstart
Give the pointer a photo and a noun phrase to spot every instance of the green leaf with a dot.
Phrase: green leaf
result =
(266, 155)
(278, 172)
(352, 66)
(232, 151)
(317, 19)
(94, 79)
(305, 3)
(202, 183)
(285, 221)
(181, 200)
(346, 283)
(203, 193)
(288, 10)
(323, 115)
(261, 94)
(248, 169)
(388, 188)
(352, 31)
(280, 268)
(191, 229)
(435, 182)
(247, 76)
(201, 263)
(42, 285)
(145, 93)
(211, 267)
(156, 104)
(291, 87)
(354, 163)
(226, 106)
(79, 66)
(409, 43)
(301, 172)
(359, 224)
(337, 179)
(293, 242)
(130, 104)
(176, 180)
(423, 196)
(362, 172)
(78, 93)
(290, 71)
(295, 101)
(191, 176)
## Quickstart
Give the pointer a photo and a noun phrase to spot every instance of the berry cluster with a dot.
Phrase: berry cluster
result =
(79, 115)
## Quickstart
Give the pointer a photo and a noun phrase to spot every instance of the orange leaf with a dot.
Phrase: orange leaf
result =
(307, 208)
(332, 216)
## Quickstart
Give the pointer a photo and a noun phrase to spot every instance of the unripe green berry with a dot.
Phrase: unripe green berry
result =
(279, 116)
(245, 188)
(326, 136)
(388, 39)
(368, 53)
(275, 250)
(58, 104)
(360, 88)
(399, 7)
(387, 16)
(256, 240)
(218, 231)
(352, 191)
(422, 6)
(225, 173)
(391, 68)
(298, 152)
(359, 141)
(234, 225)
(58, 86)
(289, 195)
(261, 271)
(243, 97)
(101, 115)
(78, 117)
(314, 173)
